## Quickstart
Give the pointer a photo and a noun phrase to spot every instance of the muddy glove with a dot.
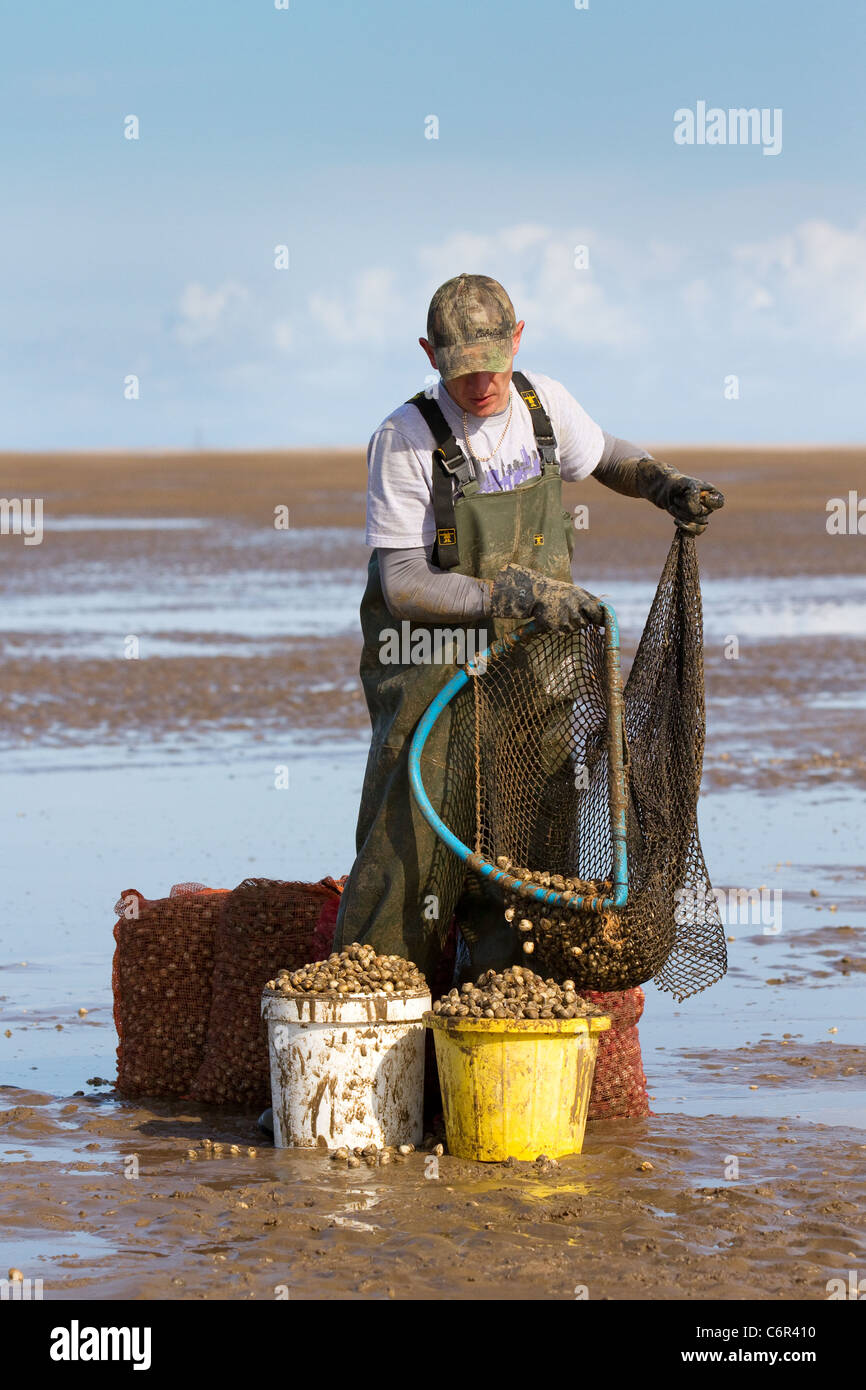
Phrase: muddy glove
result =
(522, 593)
(689, 501)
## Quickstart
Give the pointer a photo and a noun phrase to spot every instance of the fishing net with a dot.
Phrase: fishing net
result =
(530, 779)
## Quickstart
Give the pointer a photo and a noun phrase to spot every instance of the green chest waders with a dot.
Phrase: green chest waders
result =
(405, 885)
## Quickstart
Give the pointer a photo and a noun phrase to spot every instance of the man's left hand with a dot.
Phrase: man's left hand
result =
(691, 502)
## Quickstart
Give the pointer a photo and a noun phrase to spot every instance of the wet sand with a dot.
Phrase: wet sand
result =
(650, 1210)
(58, 690)
(774, 520)
(249, 652)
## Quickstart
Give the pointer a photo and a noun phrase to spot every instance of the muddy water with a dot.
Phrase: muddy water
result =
(139, 773)
(114, 1207)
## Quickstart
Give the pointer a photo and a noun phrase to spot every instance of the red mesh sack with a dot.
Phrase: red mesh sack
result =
(619, 1089)
(161, 980)
(322, 941)
(267, 925)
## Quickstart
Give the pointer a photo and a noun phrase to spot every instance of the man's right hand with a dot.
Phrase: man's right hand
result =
(521, 593)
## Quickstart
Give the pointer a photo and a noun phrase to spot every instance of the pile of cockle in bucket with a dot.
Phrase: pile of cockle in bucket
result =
(516, 993)
(357, 970)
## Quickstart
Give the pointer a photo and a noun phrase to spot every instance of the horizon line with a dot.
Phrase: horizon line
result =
(193, 450)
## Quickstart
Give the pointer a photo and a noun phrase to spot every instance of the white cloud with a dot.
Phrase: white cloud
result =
(808, 284)
(572, 305)
(283, 334)
(814, 279)
(697, 296)
(665, 257)
(520, 238)
(366, 313)
(536, 266)
(759, 298)
(462, 252)
(203, 312)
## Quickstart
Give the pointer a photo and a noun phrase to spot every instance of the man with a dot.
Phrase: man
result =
(465, 518)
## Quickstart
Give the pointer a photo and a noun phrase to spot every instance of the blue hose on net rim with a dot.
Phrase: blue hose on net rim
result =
(617, 761)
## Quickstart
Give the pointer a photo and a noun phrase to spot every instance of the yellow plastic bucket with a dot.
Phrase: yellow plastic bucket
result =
(515, 1088)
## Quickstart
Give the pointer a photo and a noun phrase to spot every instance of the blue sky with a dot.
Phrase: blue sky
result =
(306, 127)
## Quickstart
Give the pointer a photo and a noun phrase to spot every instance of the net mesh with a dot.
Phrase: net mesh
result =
(619, 1085)
(530, 740)
(266, 925)
(187, 976)
(161, 977)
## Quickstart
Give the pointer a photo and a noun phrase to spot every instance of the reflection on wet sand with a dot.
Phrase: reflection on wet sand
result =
(150, 768)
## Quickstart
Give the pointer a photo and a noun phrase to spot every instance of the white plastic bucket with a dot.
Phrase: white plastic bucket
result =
(346, 1070)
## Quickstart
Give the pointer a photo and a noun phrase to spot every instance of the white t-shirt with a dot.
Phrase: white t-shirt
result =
(400, 458)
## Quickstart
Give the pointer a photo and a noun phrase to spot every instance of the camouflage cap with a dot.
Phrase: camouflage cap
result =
(470, 325)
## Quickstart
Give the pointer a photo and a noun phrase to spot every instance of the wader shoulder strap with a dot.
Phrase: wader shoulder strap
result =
(544, 436)
(449, 465)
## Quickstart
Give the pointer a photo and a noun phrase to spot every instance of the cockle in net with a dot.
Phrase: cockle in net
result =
(584, 798)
